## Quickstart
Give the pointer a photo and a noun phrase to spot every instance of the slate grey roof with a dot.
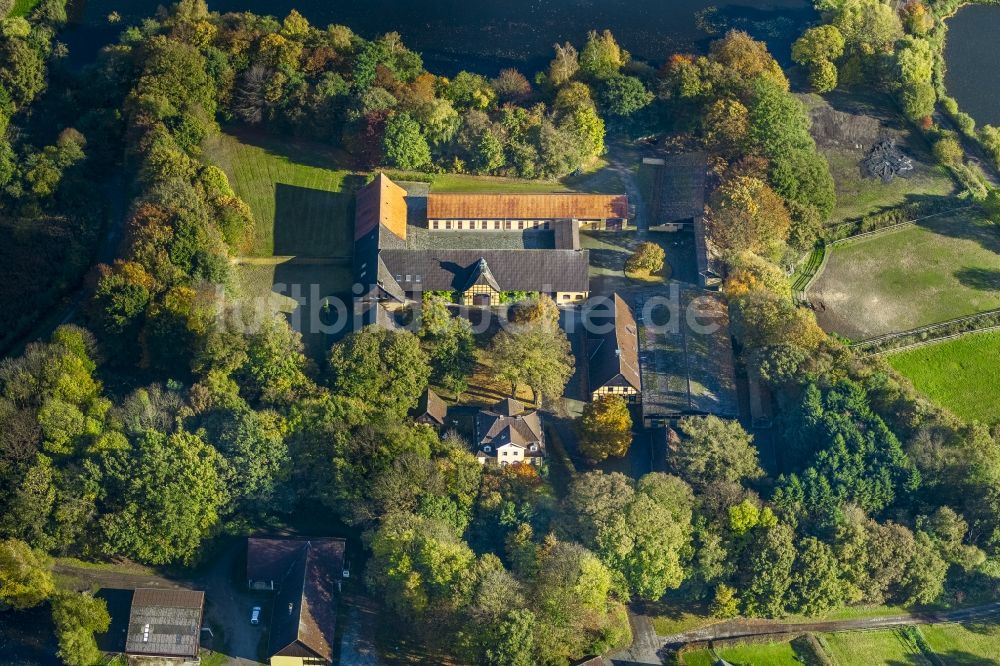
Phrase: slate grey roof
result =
(304, 615)
(481, 275)
(431, 407)
(614, 353)
(567, 234)
(509, 423)
(513, 270)
(165, 623)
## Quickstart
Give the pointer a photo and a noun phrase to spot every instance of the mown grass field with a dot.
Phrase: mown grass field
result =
(957, 644)
(942, 268)
(962, 375)
(858, 196)
(888, 647)
(266, 289)
(951, 645)
(770, 654)
(302, 203)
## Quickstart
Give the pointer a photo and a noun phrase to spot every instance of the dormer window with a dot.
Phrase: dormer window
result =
(534, 447)
(487, 448)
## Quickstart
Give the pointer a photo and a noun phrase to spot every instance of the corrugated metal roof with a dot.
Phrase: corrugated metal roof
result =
(526, 206)
(165, 623)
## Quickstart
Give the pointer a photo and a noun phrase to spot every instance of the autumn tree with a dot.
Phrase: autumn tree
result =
(565, 65)
(648, 257)
(818, 49)
(512, 86)
(745, 214)
(726, 125)
(601, 57)
(605, 428)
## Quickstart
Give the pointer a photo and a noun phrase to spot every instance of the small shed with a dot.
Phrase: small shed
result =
(164, 627)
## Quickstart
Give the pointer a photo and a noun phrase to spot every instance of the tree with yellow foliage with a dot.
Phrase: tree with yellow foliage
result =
(605, 428)
(746, 215)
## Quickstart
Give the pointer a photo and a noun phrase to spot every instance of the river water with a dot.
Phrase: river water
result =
(487, 35)
(973, 60)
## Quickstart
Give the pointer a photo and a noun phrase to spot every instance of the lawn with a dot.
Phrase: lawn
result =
(770, 654)
(302, 206)
(456, 182)
(957, 644)
(857, 196)
(944, 267)
(267, 288)
(962, 375)
(887, 647)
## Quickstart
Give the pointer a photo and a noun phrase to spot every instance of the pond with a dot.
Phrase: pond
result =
(487, 35)
(973, 61)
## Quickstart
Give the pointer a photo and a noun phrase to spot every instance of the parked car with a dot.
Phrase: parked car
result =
(255, 615)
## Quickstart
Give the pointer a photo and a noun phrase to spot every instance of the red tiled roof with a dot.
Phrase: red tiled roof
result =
(526, 206)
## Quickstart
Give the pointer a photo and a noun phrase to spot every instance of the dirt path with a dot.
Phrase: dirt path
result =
(618, 161)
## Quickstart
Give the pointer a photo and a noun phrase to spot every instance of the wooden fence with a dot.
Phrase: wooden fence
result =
(918, 337)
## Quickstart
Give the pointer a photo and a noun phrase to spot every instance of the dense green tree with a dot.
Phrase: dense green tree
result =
(404, 144)
(255, 453)
(817, 586)
(25, 578)
(512, 640)
(78, 616)
(537, 354)
(386, 369)
(624, 95)
(418, 565)
(768, 573)
(714, 450)
(779, 128)
(574, 600)
(161, 497)
(641, 531)
(449, 344)
(275, 367)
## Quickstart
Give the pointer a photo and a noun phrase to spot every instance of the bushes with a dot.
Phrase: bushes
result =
(948, 151)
